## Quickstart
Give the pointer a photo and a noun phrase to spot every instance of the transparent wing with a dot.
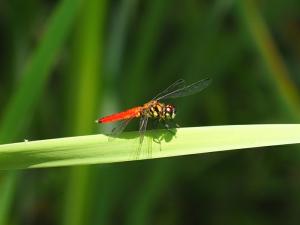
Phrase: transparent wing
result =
(186, 90)
(175, 86)
(142, 130)
(119, 129)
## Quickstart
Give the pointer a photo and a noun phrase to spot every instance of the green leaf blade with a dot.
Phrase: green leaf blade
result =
(94, 149)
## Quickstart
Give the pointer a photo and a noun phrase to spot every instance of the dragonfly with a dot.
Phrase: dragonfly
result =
(155, 109)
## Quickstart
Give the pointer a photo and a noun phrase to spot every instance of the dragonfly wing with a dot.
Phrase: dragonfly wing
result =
(187, 90)
(175, 86)
(142, 130)
(120, 128)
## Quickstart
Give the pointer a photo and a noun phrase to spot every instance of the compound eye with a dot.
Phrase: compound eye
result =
(169, 108)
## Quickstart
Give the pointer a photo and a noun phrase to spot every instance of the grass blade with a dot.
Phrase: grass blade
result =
(94, 149)
(26, 94)
(84, 91)
(37, 71)
(272, 59)
(8, 189)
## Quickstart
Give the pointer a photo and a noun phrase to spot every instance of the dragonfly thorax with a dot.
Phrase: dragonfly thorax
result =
(161, 111)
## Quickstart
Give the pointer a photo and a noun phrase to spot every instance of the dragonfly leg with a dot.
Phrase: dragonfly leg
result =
(167, 126)
(158, 141)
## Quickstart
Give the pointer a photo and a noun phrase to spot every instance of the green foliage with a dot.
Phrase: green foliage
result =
(93, 149)
(36, 74)
(64, 63)
(21, 107)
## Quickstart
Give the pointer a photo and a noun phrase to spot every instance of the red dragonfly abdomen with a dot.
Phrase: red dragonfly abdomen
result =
(130, 113)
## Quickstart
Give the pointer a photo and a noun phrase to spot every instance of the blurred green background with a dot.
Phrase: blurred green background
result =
(65, 63)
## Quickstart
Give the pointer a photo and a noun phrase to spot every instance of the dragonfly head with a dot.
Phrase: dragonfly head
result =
(170, 112)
